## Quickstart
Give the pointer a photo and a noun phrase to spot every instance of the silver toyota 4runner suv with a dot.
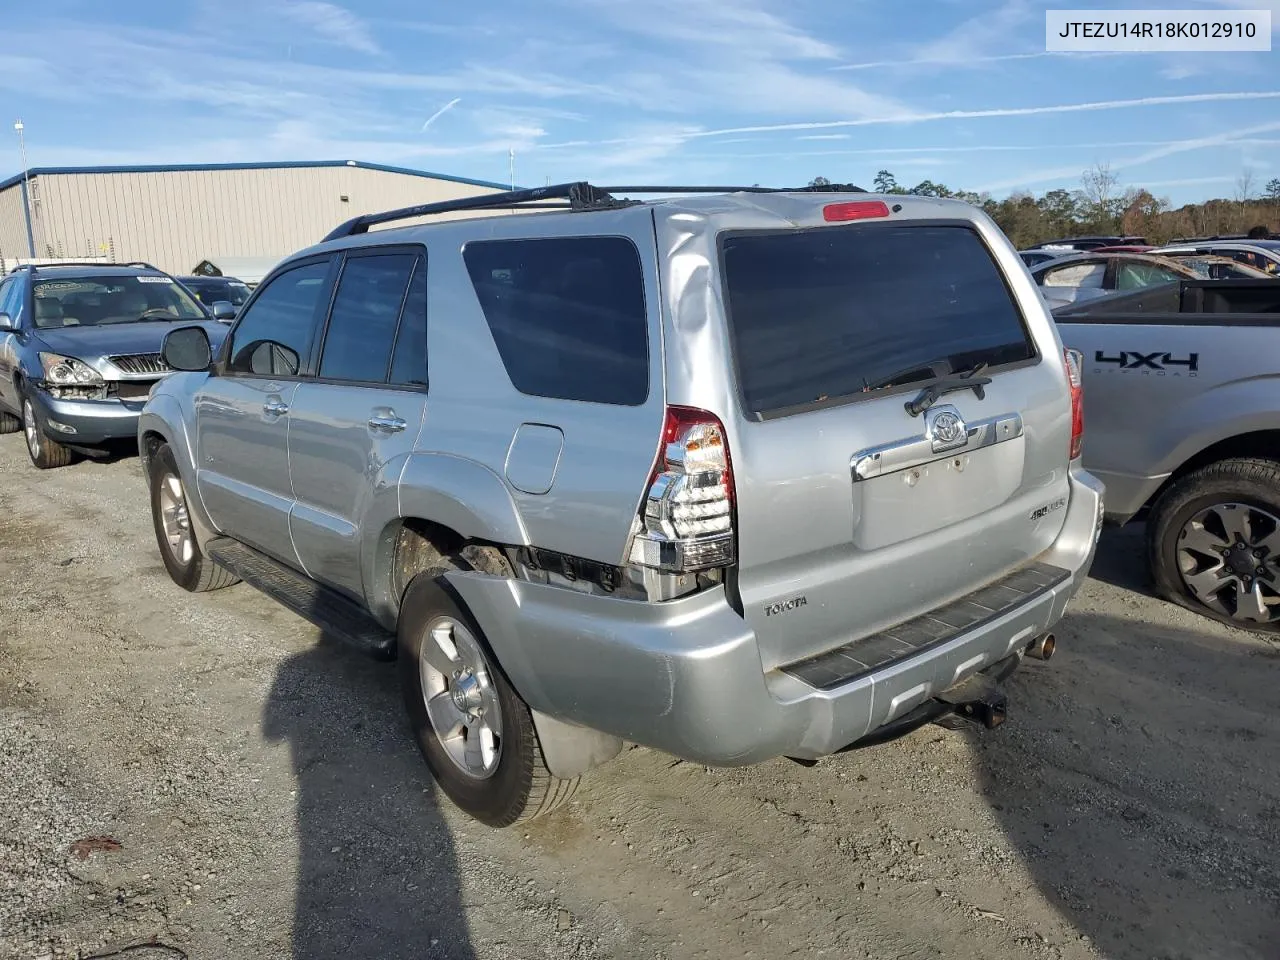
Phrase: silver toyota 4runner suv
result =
(734, 476)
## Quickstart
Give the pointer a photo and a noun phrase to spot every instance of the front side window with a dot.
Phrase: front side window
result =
(409, 364)
(274, 335)
(567, 315)
(366, 312)
(92, 301)
(8, 298)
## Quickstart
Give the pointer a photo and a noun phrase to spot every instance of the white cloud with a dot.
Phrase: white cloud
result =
(1158, 153)
(911, 118)
(983, 35)
(737, 58)
(332, 22)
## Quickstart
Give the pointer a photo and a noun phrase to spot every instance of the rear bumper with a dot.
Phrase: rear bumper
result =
(86, 422)
(686, 676)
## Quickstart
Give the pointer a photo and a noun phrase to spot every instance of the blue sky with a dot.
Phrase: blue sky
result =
(724, 91)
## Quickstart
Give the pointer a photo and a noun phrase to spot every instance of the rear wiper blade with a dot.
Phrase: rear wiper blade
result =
(969, 380)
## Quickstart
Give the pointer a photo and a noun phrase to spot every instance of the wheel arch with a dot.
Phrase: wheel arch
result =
(1251, 445)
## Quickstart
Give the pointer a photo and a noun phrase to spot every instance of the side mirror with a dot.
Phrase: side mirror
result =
(6, 322)
(187, 348)
(223, 310)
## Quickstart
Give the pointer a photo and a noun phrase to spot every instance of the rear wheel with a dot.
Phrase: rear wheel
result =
(9, 423)
(187, 565)
(1214, 543)
(474, 731)
(45, 453)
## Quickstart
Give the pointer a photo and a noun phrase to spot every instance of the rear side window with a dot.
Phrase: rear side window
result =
(365, 314)
(841, 311)
(567, 315)
(1087, 275)
(1133, 276)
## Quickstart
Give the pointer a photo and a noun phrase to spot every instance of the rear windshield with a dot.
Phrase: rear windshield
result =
(836, 312)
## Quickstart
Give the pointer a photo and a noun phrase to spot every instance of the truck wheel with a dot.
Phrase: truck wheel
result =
(44, 453)
(474, 731)
(187, 566)
(1213, 541)
(9, 423)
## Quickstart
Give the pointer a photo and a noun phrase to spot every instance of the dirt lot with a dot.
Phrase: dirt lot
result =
(267, 802)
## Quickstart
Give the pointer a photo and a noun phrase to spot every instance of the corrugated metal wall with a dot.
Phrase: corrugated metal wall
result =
(13, 225)
(175, 219)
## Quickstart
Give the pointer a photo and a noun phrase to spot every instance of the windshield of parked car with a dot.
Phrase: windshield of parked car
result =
(98, 300)
(211, 291)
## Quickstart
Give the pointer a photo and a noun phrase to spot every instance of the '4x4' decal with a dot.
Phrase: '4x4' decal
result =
(1159, 360)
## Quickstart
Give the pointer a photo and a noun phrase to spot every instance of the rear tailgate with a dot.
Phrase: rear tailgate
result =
(853, 515)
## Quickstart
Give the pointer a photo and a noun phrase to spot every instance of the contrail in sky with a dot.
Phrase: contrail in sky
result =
(441, 112)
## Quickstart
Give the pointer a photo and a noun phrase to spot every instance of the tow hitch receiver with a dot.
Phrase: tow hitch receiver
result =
(978, 699)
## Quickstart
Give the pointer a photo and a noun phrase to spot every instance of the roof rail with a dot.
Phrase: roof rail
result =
(579, 195)
(141, 264)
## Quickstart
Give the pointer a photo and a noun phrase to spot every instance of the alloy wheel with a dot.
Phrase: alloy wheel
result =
(31, 428)
(1228, 557)
(460, 698)
(175, 519)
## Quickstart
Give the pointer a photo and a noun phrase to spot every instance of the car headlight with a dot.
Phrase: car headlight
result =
(68, 370)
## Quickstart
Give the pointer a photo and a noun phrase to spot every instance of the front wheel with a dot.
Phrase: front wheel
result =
(1213, 540)
(187, 565)
(45, 453)
(474, 731)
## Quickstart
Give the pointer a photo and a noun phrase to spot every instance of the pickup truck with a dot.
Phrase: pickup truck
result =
(1183, 411)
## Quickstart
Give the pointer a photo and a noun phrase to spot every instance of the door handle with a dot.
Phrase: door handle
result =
(391, 424)
(275, 408)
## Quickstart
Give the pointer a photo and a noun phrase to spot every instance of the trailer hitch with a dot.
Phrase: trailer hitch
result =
(978, 699)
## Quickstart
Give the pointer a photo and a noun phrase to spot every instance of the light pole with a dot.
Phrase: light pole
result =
(19, 126)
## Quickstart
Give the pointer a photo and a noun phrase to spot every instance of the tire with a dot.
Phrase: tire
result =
(44, 453)
(518, 786)
(9, 423)
(1194, 537)
(188, 567)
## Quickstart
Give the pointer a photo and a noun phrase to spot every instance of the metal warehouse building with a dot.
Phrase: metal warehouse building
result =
(177, 217)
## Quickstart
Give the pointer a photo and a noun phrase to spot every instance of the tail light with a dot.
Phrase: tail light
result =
(1075, 377)
(686, 521)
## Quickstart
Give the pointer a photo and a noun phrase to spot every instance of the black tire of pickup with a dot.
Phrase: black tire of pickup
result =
(196, 573)
(520, 786)
(1252, 482)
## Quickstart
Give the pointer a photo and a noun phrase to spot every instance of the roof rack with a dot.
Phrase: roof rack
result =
(33, 267)
(571, 196)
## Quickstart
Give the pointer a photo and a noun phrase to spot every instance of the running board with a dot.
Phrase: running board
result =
(329, 610)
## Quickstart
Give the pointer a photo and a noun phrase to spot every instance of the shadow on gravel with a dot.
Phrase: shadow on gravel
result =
(377, 874)
(1140, 781)
(1122, 559)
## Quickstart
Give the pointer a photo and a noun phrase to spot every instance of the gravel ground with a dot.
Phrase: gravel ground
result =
(208, 776)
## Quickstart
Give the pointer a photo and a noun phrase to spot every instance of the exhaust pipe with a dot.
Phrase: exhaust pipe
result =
(1042, 647)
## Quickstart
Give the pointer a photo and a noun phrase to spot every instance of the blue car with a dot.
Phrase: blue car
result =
(80, 351)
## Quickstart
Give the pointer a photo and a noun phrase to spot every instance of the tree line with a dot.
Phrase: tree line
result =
(1100, 206)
